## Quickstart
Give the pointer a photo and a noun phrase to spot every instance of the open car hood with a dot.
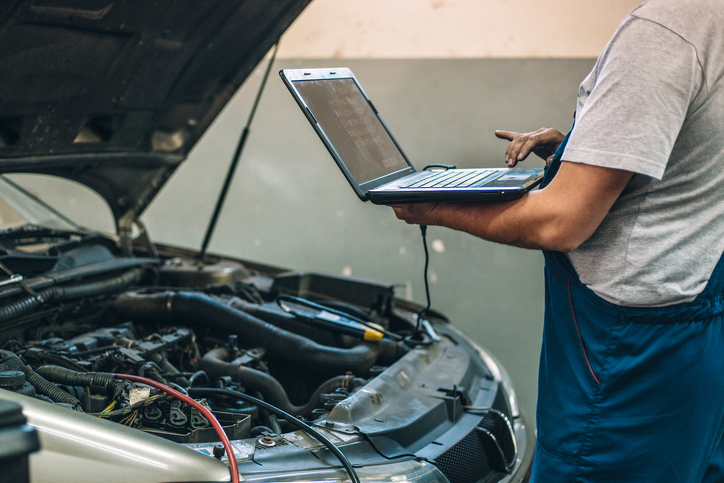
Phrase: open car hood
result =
(114, 93)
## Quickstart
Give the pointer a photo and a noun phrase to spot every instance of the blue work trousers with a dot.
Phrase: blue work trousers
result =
(627, 394)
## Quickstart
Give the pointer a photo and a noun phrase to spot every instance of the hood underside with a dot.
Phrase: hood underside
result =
(114, 93)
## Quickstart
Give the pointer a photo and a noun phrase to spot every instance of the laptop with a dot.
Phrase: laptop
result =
(373, 163)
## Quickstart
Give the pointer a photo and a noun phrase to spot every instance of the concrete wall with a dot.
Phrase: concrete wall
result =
(444, 75)
(373, 29)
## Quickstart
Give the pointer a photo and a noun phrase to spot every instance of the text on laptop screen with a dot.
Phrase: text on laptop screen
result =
(352, 127)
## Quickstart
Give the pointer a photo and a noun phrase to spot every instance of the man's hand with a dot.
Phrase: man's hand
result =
(559, 217)
(542, 142)
(418, 213)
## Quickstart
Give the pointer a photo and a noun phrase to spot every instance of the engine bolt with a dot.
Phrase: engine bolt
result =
(267, 441)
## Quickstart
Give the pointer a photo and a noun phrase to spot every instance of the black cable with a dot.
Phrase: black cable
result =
(12, 342)
(346, 308)
(90, 352)
(316, 306)
(200, 391)
(235, 160)
(443, 167)
(423, 231)
(425, 339)
(61, 361)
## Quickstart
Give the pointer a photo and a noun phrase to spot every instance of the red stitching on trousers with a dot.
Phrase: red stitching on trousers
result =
(570, 299)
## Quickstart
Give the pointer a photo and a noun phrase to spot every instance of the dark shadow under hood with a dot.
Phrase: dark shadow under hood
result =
(114, 93)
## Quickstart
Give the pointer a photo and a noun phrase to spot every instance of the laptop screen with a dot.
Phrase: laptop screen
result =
(353, 128)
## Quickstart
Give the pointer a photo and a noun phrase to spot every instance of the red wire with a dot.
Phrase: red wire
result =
(579, 334)
(219, 430)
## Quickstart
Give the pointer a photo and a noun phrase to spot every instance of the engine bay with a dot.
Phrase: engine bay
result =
(302, 342)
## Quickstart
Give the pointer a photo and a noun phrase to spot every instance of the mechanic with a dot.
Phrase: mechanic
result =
(631, 384)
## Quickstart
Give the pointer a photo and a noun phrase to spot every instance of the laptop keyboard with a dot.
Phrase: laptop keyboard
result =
(455, 179)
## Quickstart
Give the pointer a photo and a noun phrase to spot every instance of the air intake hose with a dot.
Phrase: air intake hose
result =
(200, 310)
(215, 364)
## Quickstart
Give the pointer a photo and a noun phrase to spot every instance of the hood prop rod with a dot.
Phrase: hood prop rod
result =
(235, 160)
(16, 278)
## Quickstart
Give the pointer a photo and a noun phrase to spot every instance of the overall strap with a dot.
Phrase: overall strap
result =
(552, 169)
(558, 260)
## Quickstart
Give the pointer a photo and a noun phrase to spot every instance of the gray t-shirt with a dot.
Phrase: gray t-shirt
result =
(654, 105)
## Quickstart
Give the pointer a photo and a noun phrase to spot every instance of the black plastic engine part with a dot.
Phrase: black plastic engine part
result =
(201, 310)
(12, 362)
(12, 379)
(15, 381)
(215, 363)
(189, 426)
(183, 272)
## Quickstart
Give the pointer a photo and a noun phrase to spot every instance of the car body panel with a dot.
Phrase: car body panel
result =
(78, 447)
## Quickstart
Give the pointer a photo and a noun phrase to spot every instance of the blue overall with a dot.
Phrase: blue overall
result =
(628, 394)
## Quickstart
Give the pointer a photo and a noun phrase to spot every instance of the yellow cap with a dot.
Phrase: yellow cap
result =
(373, 335)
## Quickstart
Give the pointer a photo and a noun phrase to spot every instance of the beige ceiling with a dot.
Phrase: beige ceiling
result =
(339, 29)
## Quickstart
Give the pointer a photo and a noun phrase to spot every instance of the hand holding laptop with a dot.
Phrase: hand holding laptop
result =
(542, 142)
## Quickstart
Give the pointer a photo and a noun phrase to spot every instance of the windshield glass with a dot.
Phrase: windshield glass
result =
(18, 208)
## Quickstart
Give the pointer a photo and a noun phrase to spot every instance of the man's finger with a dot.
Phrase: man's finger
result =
(529, 146)
(514, 149)
(509, 135)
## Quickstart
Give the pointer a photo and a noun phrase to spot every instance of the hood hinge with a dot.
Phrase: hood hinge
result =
(125, 233)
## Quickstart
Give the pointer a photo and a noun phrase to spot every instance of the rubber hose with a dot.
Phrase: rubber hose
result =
(200, 310)
(257, 430)
(166, 366)
(196, 375)
(41, 385)
(57, 293)
(389, 350)
(95, 380)
(215, 364)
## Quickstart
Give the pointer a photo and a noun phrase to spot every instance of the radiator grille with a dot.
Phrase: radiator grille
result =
(499, 426)
(466, 462)
(490, 447)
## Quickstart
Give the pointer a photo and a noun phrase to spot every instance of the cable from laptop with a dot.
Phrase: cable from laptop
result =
(423, 231)
(443, 167)
(423, 334)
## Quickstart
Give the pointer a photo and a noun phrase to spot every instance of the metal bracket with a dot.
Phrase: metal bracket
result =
(125, 233)
(18, 279)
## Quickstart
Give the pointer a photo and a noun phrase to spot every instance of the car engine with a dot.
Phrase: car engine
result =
(73, 314)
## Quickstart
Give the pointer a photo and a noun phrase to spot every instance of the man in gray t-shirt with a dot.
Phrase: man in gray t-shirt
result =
(632, 227)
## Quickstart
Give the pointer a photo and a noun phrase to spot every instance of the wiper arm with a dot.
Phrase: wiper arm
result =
(38, 231)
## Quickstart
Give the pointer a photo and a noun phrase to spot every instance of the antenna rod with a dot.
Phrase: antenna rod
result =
(235, 160)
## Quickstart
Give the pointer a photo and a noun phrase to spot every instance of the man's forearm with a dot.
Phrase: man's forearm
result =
(559, 217)
(522, 222)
